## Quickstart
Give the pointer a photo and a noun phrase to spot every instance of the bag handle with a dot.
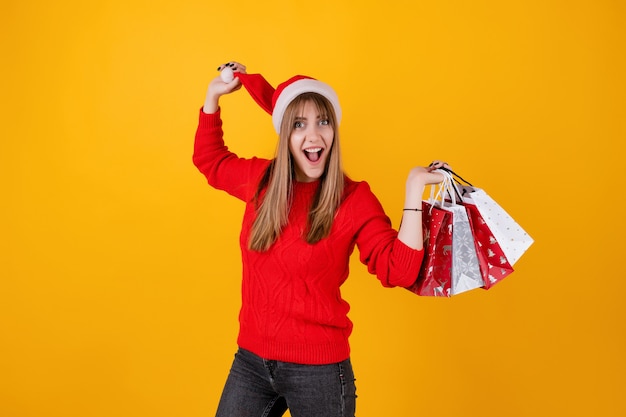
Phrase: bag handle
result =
(457, 179)
(454, 174)
(447, 186)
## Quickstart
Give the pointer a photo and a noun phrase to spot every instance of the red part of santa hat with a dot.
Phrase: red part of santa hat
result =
(275, 101)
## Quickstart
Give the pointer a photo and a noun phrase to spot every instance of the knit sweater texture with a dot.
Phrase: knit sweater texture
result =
(292, 309)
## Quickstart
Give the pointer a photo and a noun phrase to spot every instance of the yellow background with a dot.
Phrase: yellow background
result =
(119, 266)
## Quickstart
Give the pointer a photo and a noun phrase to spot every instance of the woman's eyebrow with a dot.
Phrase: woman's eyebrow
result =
(319, 116)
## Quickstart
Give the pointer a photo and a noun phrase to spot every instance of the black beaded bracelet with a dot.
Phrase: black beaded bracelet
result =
(415, 209)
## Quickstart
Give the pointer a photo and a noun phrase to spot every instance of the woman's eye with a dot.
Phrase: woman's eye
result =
(298, 125)
(324, 122)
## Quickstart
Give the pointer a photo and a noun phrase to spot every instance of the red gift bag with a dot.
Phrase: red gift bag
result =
(494, 265)
(435, 276)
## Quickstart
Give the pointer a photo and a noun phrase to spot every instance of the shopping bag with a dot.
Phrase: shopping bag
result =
(511, 237)
(435, 276)
(494, 266)
(466, 273)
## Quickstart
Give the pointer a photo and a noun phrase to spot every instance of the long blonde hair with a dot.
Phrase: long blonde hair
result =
(273, 209)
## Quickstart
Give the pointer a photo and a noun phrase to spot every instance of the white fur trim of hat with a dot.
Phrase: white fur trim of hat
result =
(289, 90)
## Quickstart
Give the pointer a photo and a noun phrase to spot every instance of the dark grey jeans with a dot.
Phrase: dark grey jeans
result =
(264, 388)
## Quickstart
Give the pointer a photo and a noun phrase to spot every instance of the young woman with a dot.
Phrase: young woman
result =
(302, 220)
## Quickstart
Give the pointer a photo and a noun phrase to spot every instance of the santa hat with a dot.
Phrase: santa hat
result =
(275, 101)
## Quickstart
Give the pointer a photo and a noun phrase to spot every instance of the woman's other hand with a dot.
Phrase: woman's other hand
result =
(218, 87)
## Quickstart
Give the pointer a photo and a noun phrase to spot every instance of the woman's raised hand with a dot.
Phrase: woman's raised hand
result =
(419, 178)
(222, 84)
(422, 176)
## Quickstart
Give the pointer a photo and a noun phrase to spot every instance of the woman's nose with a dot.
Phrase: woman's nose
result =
(313, 132)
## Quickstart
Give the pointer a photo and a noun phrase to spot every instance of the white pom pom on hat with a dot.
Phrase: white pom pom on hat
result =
(275, 101)
(227, 74)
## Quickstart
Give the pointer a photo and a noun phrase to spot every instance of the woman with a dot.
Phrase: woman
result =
(302, 220)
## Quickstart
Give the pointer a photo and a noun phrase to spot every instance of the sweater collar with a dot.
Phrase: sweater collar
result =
(306, 186)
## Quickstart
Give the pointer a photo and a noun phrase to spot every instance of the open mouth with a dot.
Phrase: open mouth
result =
(313, 154)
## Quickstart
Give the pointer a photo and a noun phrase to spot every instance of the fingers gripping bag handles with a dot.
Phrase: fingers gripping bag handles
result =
(511, 238)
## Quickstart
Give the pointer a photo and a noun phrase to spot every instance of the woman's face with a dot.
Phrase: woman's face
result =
(310, 143)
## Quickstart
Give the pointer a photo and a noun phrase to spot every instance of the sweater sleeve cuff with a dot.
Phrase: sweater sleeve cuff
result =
(210, 120)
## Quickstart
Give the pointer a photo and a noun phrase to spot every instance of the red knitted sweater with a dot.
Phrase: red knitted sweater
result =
(292, 309)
